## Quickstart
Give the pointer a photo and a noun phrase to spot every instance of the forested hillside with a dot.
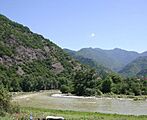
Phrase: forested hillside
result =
(30, 62)
(137, 67)
(100, 69)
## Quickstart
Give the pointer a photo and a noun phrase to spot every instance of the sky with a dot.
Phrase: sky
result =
(76, 24)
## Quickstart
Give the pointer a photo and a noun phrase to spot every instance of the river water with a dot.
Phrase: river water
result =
(90, 104)
(103, 105)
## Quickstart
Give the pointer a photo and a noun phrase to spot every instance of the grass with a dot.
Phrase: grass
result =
(70, 115)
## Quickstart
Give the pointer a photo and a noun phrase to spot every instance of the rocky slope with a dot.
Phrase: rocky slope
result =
(27, 58)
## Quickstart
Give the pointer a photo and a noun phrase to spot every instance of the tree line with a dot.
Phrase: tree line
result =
(84, 82)
(87, 83)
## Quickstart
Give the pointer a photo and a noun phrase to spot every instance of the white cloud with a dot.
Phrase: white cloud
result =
(92, 34)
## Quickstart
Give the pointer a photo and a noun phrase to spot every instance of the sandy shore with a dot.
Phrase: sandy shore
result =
(59, 95)
(24, 96)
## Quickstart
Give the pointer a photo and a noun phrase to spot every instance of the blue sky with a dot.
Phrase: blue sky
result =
(75, 24)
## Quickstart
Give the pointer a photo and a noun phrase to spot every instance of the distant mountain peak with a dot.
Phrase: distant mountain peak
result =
(117, 49)
(114, 59)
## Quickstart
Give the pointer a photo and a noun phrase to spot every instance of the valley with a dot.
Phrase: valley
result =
(126, 63)
(93, 82)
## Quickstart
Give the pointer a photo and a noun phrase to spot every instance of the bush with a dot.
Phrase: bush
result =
(5, 104)
(106, 85)
(4, 101)
(98, 92)
(64, 89)
(15, 108)
(90, 92)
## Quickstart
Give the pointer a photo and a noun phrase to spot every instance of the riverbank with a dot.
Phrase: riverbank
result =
(104, 96)
(70, 115)
(26, 95)
(57, 93)
(56, 100)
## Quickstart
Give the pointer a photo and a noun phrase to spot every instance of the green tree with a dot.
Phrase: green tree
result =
(106, 85)
(86, 83)
(15, 85)
(117, 79)
(64, 89)
(144, 87)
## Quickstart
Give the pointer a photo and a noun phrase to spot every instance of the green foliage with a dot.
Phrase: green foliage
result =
(64, 89)
(136, 68)
(113, 83)
(85, 83)
(106, 85)
(100, 69)
(39, 64)
(4, 101)
(35, 57)
(72, 115)
(5, 50)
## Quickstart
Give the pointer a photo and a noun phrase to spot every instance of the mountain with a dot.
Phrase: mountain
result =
(121, 57)
(137, 67)
(144, 54)
(101, 70)
(114, 59)
(142, 73)
(30, 62)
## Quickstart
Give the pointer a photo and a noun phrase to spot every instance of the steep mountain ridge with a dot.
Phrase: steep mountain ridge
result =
(29, 62)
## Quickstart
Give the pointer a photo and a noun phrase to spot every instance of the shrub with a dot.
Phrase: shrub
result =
(64, 89)
(5, 104)
(4, 101)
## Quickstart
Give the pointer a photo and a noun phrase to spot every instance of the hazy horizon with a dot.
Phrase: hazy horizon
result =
(82, 24)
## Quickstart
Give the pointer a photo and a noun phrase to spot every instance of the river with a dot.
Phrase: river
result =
(89, 104)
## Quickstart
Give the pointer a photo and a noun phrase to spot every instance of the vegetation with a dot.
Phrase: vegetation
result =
(70, 115)
(87, 83)
(100, 69)
(93, 57)
(142, 73)
(29, 62)
(114, 60)
(136, 68)
(109, 82)
(64, 89)
(4, 100)
(5, 103)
